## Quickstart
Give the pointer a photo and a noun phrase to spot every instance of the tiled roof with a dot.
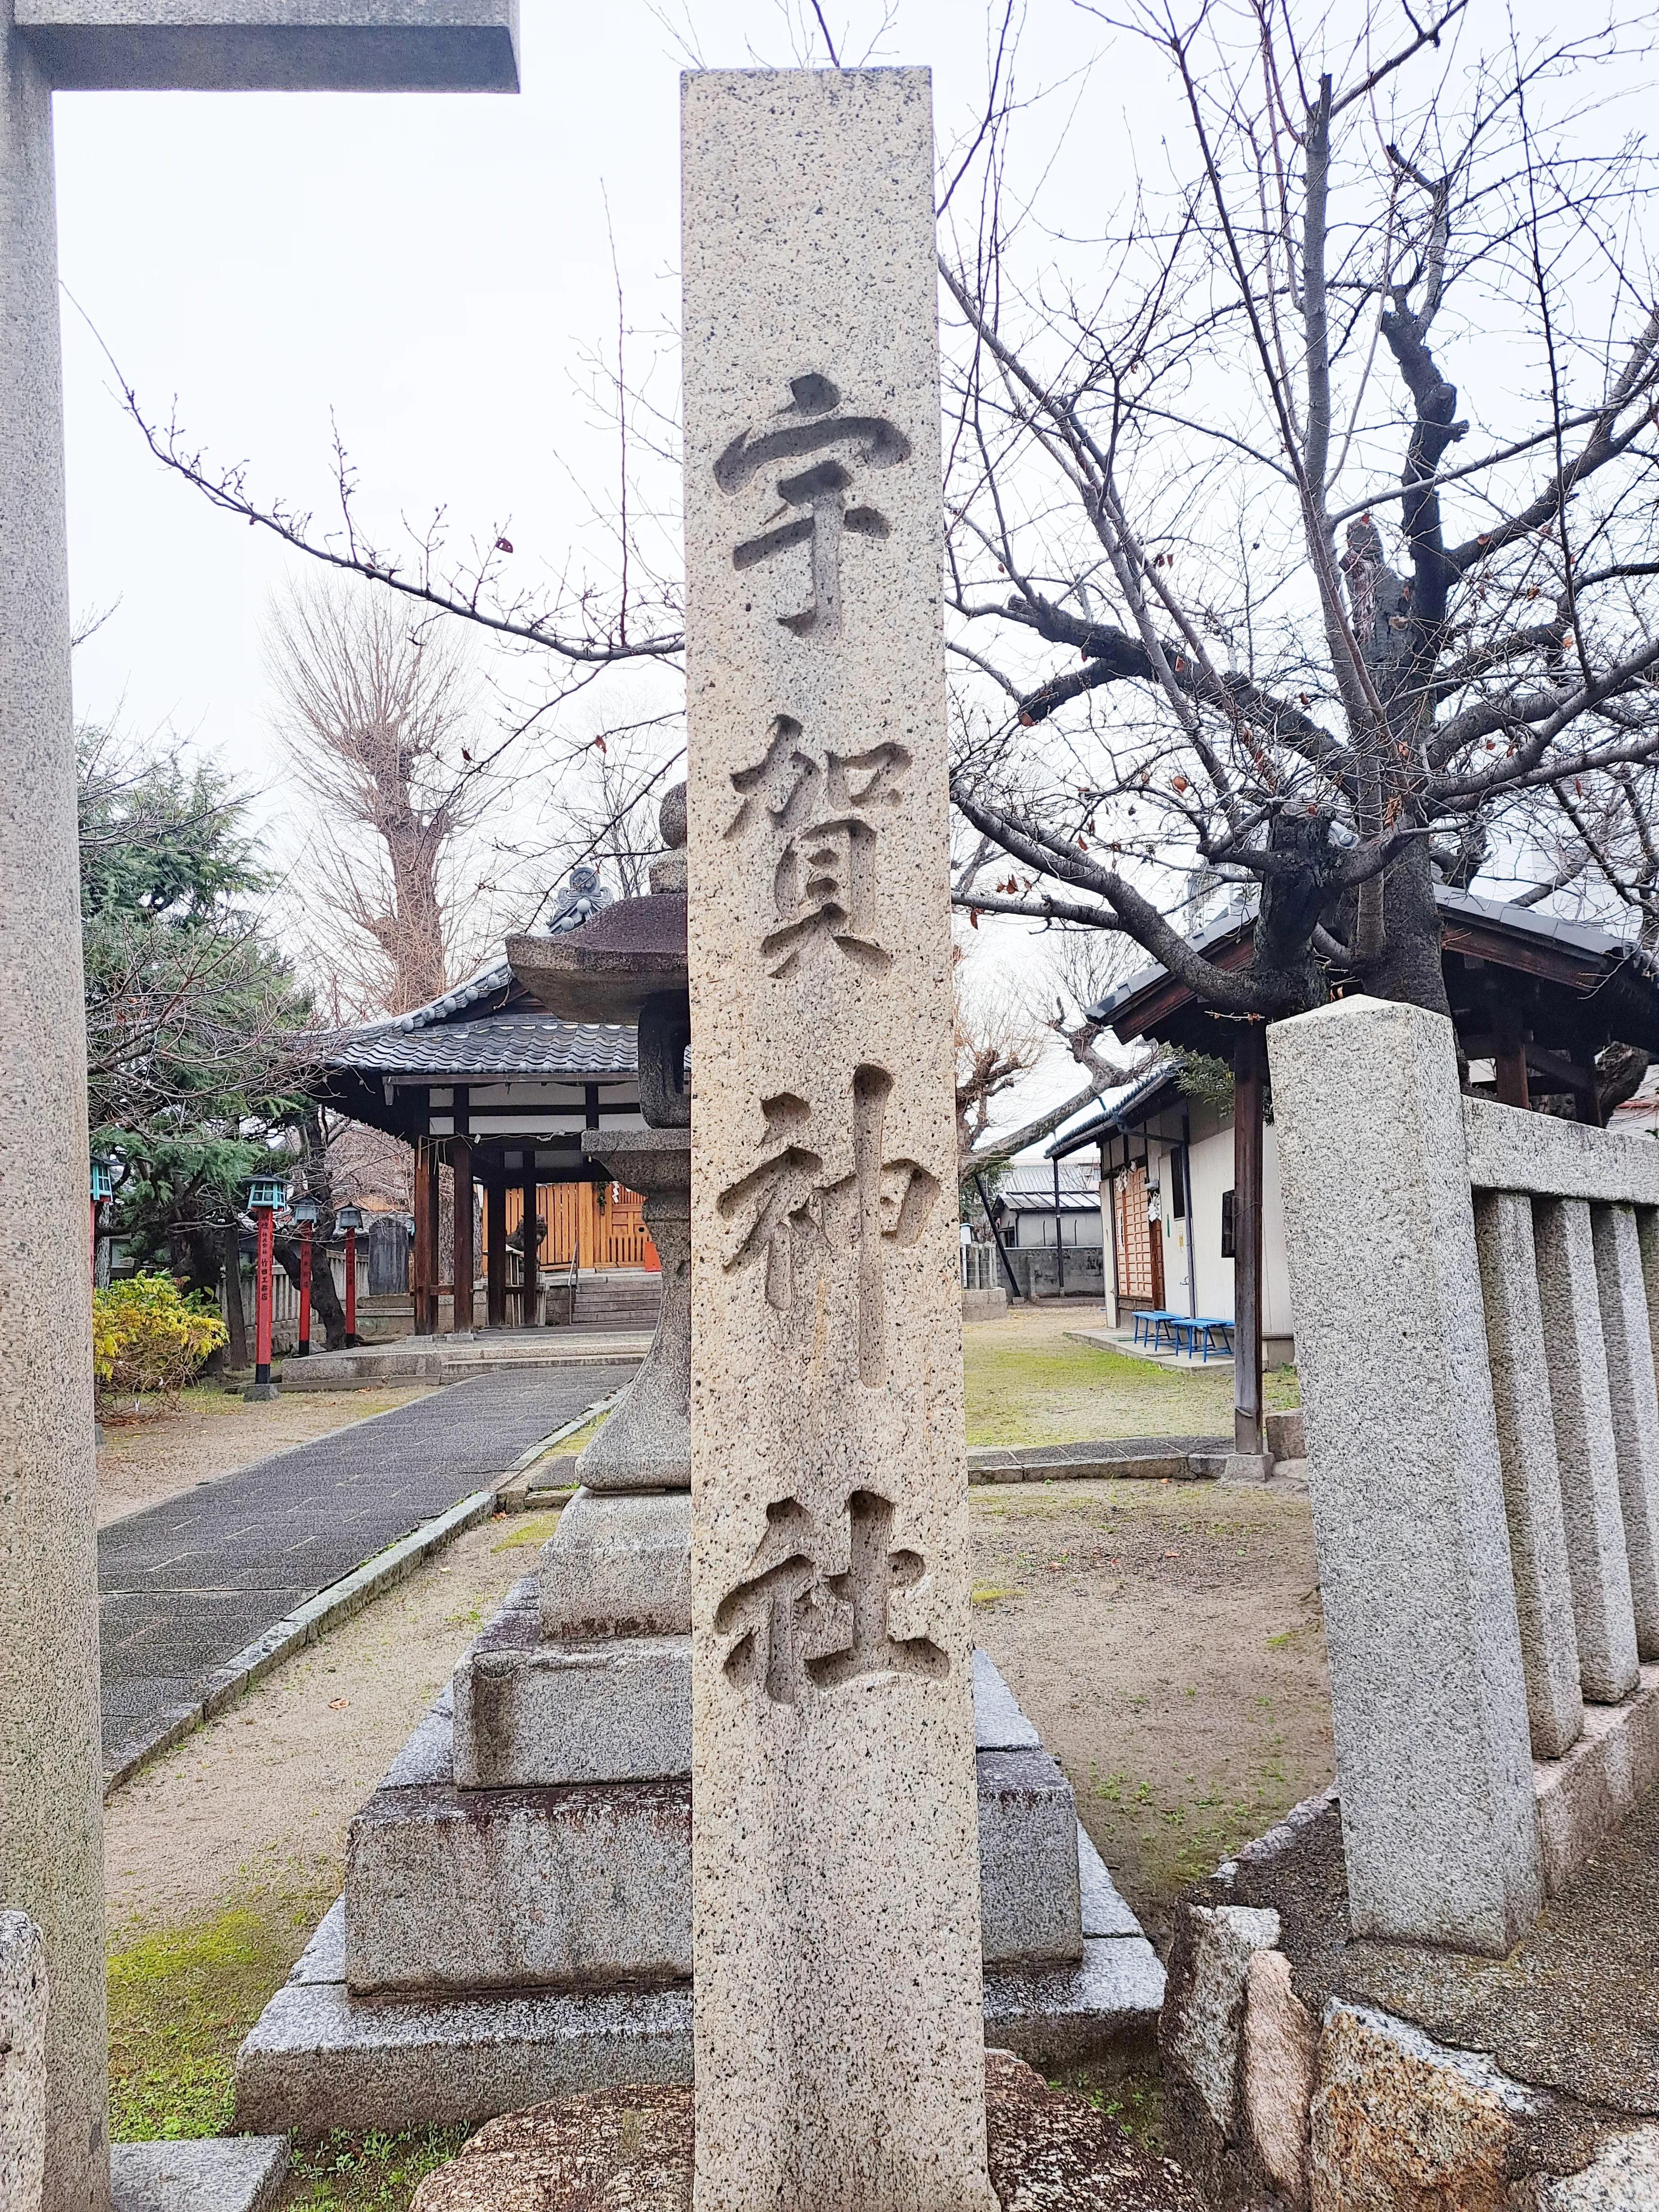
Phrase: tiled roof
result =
(497, 976)
(519, 1042)
(1580, 937)
(1162, 1075)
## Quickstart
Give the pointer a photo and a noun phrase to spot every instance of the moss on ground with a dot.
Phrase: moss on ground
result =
(366, 2173)
(181, 1998)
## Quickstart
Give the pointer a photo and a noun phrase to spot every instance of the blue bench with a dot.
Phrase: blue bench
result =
(1150, 1326)
(1198, 1333)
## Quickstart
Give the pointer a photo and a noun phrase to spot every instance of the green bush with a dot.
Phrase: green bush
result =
(146, 1336)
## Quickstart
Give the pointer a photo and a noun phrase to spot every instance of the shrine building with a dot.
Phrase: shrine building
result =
(488, 1087)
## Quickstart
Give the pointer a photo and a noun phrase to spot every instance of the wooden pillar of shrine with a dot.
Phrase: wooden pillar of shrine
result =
(495, 1251)
(460, 1161)
(527, 1302)
(422, 1257)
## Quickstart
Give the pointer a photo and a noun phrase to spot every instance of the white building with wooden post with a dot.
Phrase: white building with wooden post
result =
(1186, 1176)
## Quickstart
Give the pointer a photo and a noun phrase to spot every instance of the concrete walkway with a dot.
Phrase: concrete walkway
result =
(187, 1585)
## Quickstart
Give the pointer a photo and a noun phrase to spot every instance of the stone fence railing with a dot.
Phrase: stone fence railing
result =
(1475, 1290)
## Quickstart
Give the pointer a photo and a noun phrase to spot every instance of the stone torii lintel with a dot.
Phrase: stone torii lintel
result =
(274, 45)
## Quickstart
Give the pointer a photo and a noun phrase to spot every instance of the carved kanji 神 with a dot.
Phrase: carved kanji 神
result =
(809, 424)
(822, 809)
(795, 1216)
(797, 1626)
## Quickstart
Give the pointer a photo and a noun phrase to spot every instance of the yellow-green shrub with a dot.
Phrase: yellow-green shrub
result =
(147, 1336)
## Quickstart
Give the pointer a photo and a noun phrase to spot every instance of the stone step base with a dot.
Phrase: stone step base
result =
(451, 1890)
(441, 1359)
(1582, 1797)
(319, 2058)
(211, 2173)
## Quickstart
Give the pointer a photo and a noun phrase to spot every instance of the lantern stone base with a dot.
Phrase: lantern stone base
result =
(320, 2058)
(511, 1944)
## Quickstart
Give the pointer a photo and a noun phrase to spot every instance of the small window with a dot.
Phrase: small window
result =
(1178, 1193)
(1227, 1252)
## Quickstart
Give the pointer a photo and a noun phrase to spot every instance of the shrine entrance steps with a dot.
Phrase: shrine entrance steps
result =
(444, 1359)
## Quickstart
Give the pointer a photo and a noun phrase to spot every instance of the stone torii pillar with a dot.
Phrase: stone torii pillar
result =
(50, 1764)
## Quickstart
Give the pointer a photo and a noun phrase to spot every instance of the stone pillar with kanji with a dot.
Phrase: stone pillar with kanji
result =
(836, 1886)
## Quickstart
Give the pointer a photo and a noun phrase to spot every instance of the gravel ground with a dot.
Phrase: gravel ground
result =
(1166, 1640)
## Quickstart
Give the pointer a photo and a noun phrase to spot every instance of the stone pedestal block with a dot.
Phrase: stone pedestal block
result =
(616, 1710)
(1030, 1902)
(23, 1998)
(618, 1566)
(455, 1889)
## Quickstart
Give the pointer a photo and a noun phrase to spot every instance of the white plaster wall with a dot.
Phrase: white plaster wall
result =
(1212, 1173)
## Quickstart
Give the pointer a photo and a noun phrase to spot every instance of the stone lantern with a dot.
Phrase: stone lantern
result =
(627, 963)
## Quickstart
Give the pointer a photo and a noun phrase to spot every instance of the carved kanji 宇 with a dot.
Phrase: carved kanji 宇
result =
(820, 491)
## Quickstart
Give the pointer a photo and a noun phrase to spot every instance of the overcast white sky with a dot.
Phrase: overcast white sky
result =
(434, 270)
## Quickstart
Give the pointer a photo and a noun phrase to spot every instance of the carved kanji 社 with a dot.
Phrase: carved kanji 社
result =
(797, 1626)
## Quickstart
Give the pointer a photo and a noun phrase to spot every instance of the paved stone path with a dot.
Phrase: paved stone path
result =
(189, 1583)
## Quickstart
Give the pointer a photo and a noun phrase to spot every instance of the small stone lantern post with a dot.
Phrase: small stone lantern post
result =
(264, 1195)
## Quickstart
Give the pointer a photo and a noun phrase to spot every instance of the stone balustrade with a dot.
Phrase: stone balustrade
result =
(1474, 1289)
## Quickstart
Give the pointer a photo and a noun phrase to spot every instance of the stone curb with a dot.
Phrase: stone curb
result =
(303, 1626)
(521, 1492)
(1186, 1460)
(376, 1367)
(342, 1599)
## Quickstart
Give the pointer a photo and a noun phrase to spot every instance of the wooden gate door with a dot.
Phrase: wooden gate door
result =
(622, 1236)
(1140, 1269)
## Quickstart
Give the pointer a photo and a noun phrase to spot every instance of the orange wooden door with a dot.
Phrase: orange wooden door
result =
(1140, 1268)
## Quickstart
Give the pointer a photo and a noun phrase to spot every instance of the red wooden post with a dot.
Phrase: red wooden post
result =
(261, 1287)
(351, 1286)
(304, 1345)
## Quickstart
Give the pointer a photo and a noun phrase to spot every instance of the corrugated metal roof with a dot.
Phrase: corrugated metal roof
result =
(519, 1042)
(1030, 1188)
